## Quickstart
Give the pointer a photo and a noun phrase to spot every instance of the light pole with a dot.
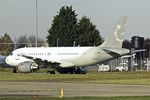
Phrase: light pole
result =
(36, 25)
(57, 41)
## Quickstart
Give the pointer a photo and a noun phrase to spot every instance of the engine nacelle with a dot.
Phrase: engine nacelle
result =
(27, 67)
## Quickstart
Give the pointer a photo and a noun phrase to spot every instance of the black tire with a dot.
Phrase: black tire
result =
(117, 70)
(80, 70)
(50, 72)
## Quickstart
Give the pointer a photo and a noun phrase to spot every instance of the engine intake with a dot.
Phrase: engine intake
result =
(27, 67)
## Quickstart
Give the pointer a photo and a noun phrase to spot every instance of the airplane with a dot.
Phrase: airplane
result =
(70, 59)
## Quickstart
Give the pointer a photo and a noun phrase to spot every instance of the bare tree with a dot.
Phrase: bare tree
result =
(29, 41)
(22, 41)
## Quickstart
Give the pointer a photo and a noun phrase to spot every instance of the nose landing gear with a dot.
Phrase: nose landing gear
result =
(14, 70)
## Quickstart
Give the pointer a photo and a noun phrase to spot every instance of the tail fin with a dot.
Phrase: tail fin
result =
(115, 38)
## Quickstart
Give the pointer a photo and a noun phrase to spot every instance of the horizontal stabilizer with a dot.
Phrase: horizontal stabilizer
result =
(111, 52)
(115, 52)
(141, 50)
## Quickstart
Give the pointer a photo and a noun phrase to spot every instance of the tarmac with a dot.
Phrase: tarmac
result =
(71, 89)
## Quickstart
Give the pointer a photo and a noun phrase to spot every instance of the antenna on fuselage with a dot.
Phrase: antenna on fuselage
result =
(74, 43)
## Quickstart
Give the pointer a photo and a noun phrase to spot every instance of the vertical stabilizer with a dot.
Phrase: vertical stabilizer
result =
(115, 38)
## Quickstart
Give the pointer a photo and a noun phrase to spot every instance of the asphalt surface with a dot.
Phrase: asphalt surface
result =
(71, 89)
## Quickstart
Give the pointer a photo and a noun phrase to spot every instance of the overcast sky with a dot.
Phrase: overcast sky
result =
(17, 17)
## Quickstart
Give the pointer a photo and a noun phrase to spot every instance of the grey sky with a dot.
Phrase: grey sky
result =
(18, 16)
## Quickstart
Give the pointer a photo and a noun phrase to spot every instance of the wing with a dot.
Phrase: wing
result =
(38, 60)
(53, 63)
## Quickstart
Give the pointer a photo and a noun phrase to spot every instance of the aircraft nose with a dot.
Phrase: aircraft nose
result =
(7, 60)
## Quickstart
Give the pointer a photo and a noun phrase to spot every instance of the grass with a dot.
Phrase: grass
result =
(82, 98)
(137, 78)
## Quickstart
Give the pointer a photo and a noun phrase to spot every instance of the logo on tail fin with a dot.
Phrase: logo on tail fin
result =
(115, 38)
(119, 36)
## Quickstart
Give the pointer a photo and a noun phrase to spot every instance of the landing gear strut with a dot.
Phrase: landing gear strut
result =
(14, 70)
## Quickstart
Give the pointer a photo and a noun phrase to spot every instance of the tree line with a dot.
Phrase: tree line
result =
(66, 30)
(7, 45)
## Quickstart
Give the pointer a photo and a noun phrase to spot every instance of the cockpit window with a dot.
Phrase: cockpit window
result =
(11, 54)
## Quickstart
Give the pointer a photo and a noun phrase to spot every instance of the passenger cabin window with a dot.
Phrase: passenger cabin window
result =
(84, 53)
(48, 53)
(68, 53)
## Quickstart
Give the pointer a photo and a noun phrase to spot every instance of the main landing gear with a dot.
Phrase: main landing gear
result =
(50, 72)
(79, 70)
(75, 70)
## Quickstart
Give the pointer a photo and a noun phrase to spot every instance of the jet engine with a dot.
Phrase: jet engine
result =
(27, 67)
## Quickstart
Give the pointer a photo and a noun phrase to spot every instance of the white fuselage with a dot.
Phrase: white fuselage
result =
(77, 56)
(66, 57)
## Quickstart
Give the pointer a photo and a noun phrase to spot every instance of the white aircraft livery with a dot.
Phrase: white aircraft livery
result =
(70, 59)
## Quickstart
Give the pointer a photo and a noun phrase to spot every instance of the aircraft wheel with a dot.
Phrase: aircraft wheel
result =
(80, 70)
(50, 72)
(117, 70)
